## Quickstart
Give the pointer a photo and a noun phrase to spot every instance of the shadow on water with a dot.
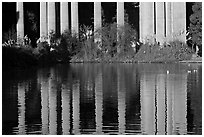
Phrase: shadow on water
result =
(103, 99)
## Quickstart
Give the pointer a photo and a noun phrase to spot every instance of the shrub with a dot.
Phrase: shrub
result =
(195, 29)
(169, 52)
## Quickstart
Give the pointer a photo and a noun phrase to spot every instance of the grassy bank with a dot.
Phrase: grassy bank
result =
(107, 44)
(173, 52)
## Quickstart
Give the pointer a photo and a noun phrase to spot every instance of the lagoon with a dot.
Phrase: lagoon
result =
(101, 99)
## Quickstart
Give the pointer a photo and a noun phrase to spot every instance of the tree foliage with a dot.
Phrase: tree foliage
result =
(195, 29)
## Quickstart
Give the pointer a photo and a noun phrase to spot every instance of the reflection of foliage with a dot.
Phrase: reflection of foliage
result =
(195, 29)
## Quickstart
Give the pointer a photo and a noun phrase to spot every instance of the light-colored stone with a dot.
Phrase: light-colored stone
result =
(179, 21)
(146, 21)
(74, 17)
(43, 19)
(51, 17)
(120, 14)
(97, 22)
(160, 22)
(20, 22)
(64, 16)
(169, 21)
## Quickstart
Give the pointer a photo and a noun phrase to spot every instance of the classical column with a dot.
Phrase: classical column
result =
(97, 21)
(20, 22)
(160, 22)
(146, 22)
(51, 17)
(120, 14)
(74, 17)
(120, 22)
(64, 16)
(97, 15)
(43, 19)
(179, 20)
(169, 20)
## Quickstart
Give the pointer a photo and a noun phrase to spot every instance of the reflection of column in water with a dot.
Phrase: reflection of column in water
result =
(180, 104)
(161, 103)
(76, 98)
(65, 109)
(121, 103)
(21, 108)
(147, 91)
(44, 104)
(170, 88)
(52, 103)
(99, 103)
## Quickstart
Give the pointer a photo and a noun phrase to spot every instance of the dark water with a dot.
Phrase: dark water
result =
(103, 99)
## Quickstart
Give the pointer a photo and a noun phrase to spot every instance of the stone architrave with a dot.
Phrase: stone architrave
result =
(20, 22)
(64, 16)
(43, 19)
(160, 23)
(179, 21)
(146, 22)
(51, 17)
(74, 18)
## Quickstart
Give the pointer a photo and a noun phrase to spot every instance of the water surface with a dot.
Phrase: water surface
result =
(103, 99)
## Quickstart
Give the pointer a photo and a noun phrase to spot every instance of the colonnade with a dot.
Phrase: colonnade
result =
(158, 21)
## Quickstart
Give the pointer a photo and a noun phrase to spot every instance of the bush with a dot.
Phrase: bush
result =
(195, 29)
(170, 52)
(17, 57)
(103, 45)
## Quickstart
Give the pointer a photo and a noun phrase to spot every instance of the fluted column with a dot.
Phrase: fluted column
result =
(120, 14)
(64, 16)
(43, 19)
(169, 20)
(120, 23)
(97, 15)
(146, 22)
(97, 21)
(179, 20)
(160, 22)
(51, 17)
(74, 17)
(20, 22)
